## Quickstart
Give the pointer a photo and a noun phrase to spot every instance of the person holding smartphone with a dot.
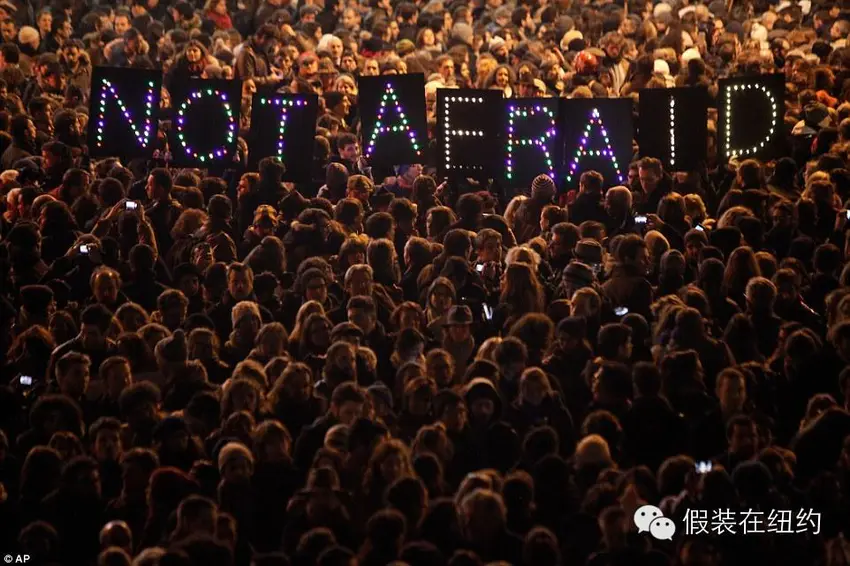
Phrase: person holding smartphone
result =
(489, 265)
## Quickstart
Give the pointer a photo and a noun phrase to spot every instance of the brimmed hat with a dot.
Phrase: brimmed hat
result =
(578, 272)
(479, 388)
(496, 43)
(459, 315)
(589, 251)
(462, 32)
(444, 398)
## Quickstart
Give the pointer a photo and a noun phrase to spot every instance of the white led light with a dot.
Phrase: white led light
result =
(742, 152)
(449, 132)
(540, 141)
(672, 130)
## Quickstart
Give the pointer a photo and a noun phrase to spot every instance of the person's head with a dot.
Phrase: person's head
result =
(9, 33)
(94, 325)
(615, 342)
(534, 386)
(742, 436)
(839, 337)
(618, 202)
(116, 375)
(105, 433)
(139, 403)
(116, 535)
(359, 280)
(29, 37)
(458, 325)
(81, 477)
(731, 390)
(347, 147)
(612, 383)
(246, 320)
(240, 281)
(22, 129)
(591, 182)
(122, 22)
(483, 514)
(72, 374)
(761, 295)
(632, 251)
(196, 514)
(650, 173)
(159, 184)
(235, 463)
(348, 403)
(362, 311)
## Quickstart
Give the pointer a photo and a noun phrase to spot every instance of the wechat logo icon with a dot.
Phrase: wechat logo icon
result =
(650, 518)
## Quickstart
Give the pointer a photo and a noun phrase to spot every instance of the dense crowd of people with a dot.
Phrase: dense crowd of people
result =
(217, 367)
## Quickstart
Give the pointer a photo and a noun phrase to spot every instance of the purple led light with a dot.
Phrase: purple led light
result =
(108, 90)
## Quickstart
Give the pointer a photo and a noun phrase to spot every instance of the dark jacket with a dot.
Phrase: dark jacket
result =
(653, 432)
(311, 440)
(587, 206)
(163, 216)
(253, 64)
(144, 290)
(630, 289)
(648, 203)
(523, 417)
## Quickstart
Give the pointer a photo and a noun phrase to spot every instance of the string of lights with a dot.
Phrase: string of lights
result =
(142, 135)
(381, 128)
(194, 96)
(515, 113)
(582, 150)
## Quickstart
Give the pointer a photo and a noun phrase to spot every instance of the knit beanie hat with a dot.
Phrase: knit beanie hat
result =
(691, 53)
(233, 451)
(543, 184)
(578, 272)
(173, 349)
(462, 32)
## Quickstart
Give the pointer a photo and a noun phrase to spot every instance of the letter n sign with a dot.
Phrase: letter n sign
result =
(123, 112)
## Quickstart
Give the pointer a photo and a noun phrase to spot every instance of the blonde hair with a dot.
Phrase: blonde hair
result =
(656, 243)
(523, 254)
(487, 351)
(244, 308)
(585, 297)
(513, 206)
(695, 207)
(593, 449)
